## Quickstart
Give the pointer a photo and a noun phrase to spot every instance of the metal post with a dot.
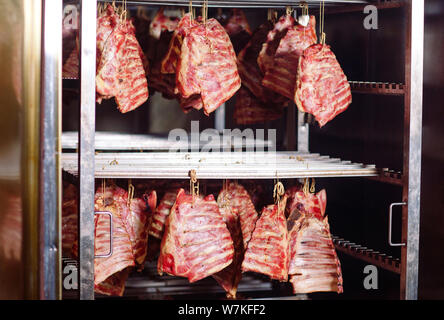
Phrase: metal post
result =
(50, 174)
(88, 9)
(219, 118)
(303, 133)
(414, 55)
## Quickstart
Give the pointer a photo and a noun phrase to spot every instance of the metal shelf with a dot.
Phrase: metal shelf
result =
(219, 165)
(363, 253)
(383, 88)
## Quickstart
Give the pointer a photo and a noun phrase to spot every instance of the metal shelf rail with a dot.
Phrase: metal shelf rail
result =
(412, 91)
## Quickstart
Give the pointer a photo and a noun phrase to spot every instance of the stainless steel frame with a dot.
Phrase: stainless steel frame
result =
(50, 172)
(412, 90)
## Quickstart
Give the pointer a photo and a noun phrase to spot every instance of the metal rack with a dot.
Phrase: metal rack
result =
(87, 165)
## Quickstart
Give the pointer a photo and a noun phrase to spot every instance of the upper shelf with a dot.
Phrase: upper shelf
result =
(219, 165)
(242, 3)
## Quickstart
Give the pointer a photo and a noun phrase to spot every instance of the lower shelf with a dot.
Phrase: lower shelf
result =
(363, 253)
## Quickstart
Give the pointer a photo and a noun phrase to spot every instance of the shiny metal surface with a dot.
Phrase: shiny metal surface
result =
(86, 146)
(31, 145)
(111, 234)
(219, 165)
(50, 175)
(391, 243)
(412, 146)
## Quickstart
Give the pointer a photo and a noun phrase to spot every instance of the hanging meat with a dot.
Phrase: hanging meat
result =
(322, 88)
(207, 66)
(265, 59)
(169, 63)
(162, 23)
(238, 29)
(314, 265)
(281, 75)
(161, 213)
(69, 218)
(267, 251)
(238, 198)
(130, 236)
(120, 71)
(230, 277)
(250, 110)
(249, 70)
(196, 243)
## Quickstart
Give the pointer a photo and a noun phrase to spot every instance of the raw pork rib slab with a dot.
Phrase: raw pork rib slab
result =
(169, 63)
(267, 251)
(121, 72)
(322, 88)
(239, 199)
(230, 277)
(162, 23)
(162, 212)
(266, 56)
(207, 66)
(281, 76)
(196, 243)
(314, 265)
(250, 110)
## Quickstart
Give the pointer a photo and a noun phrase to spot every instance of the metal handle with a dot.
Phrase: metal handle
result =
(390, 224)
(110, 232)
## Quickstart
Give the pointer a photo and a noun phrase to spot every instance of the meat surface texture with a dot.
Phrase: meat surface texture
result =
(265, 59)
(162, 23)
(238, 29)
(314, 265)
(237, 197)
(196, 243)
(69, 218)
(161, 213)
(169, 63)
(230, 277)
(207, 66)
(281, 76)
(267, 251)
(250, 110)
(322, 88)
(120, 71)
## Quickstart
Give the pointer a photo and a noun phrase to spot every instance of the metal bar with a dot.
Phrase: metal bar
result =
(86, 147)
(111, 234)
(390, 225)
(303, 133)
(50, 175)
(414, 55)
(219, 118)
(32, 11)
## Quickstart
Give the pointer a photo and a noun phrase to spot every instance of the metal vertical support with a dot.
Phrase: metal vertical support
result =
(303, 133)
(219, 118)
(50, 174)
(88, 9)
(414, 54)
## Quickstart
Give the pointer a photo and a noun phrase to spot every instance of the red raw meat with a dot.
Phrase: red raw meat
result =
(71, 67)
(11, 229)
(281, 76)
(250, 110)
(207, 66)
(69, 218)
(322, 88)
(106, 23)
(169, 63)
(162, 23)
(121, 72)
(238, 29)
(196, 243)
(230, 277)
(267, 251)
(114, 285)
(161, 214)
(249, 70)
(266, 56)
(239, 199)
(314, 265)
